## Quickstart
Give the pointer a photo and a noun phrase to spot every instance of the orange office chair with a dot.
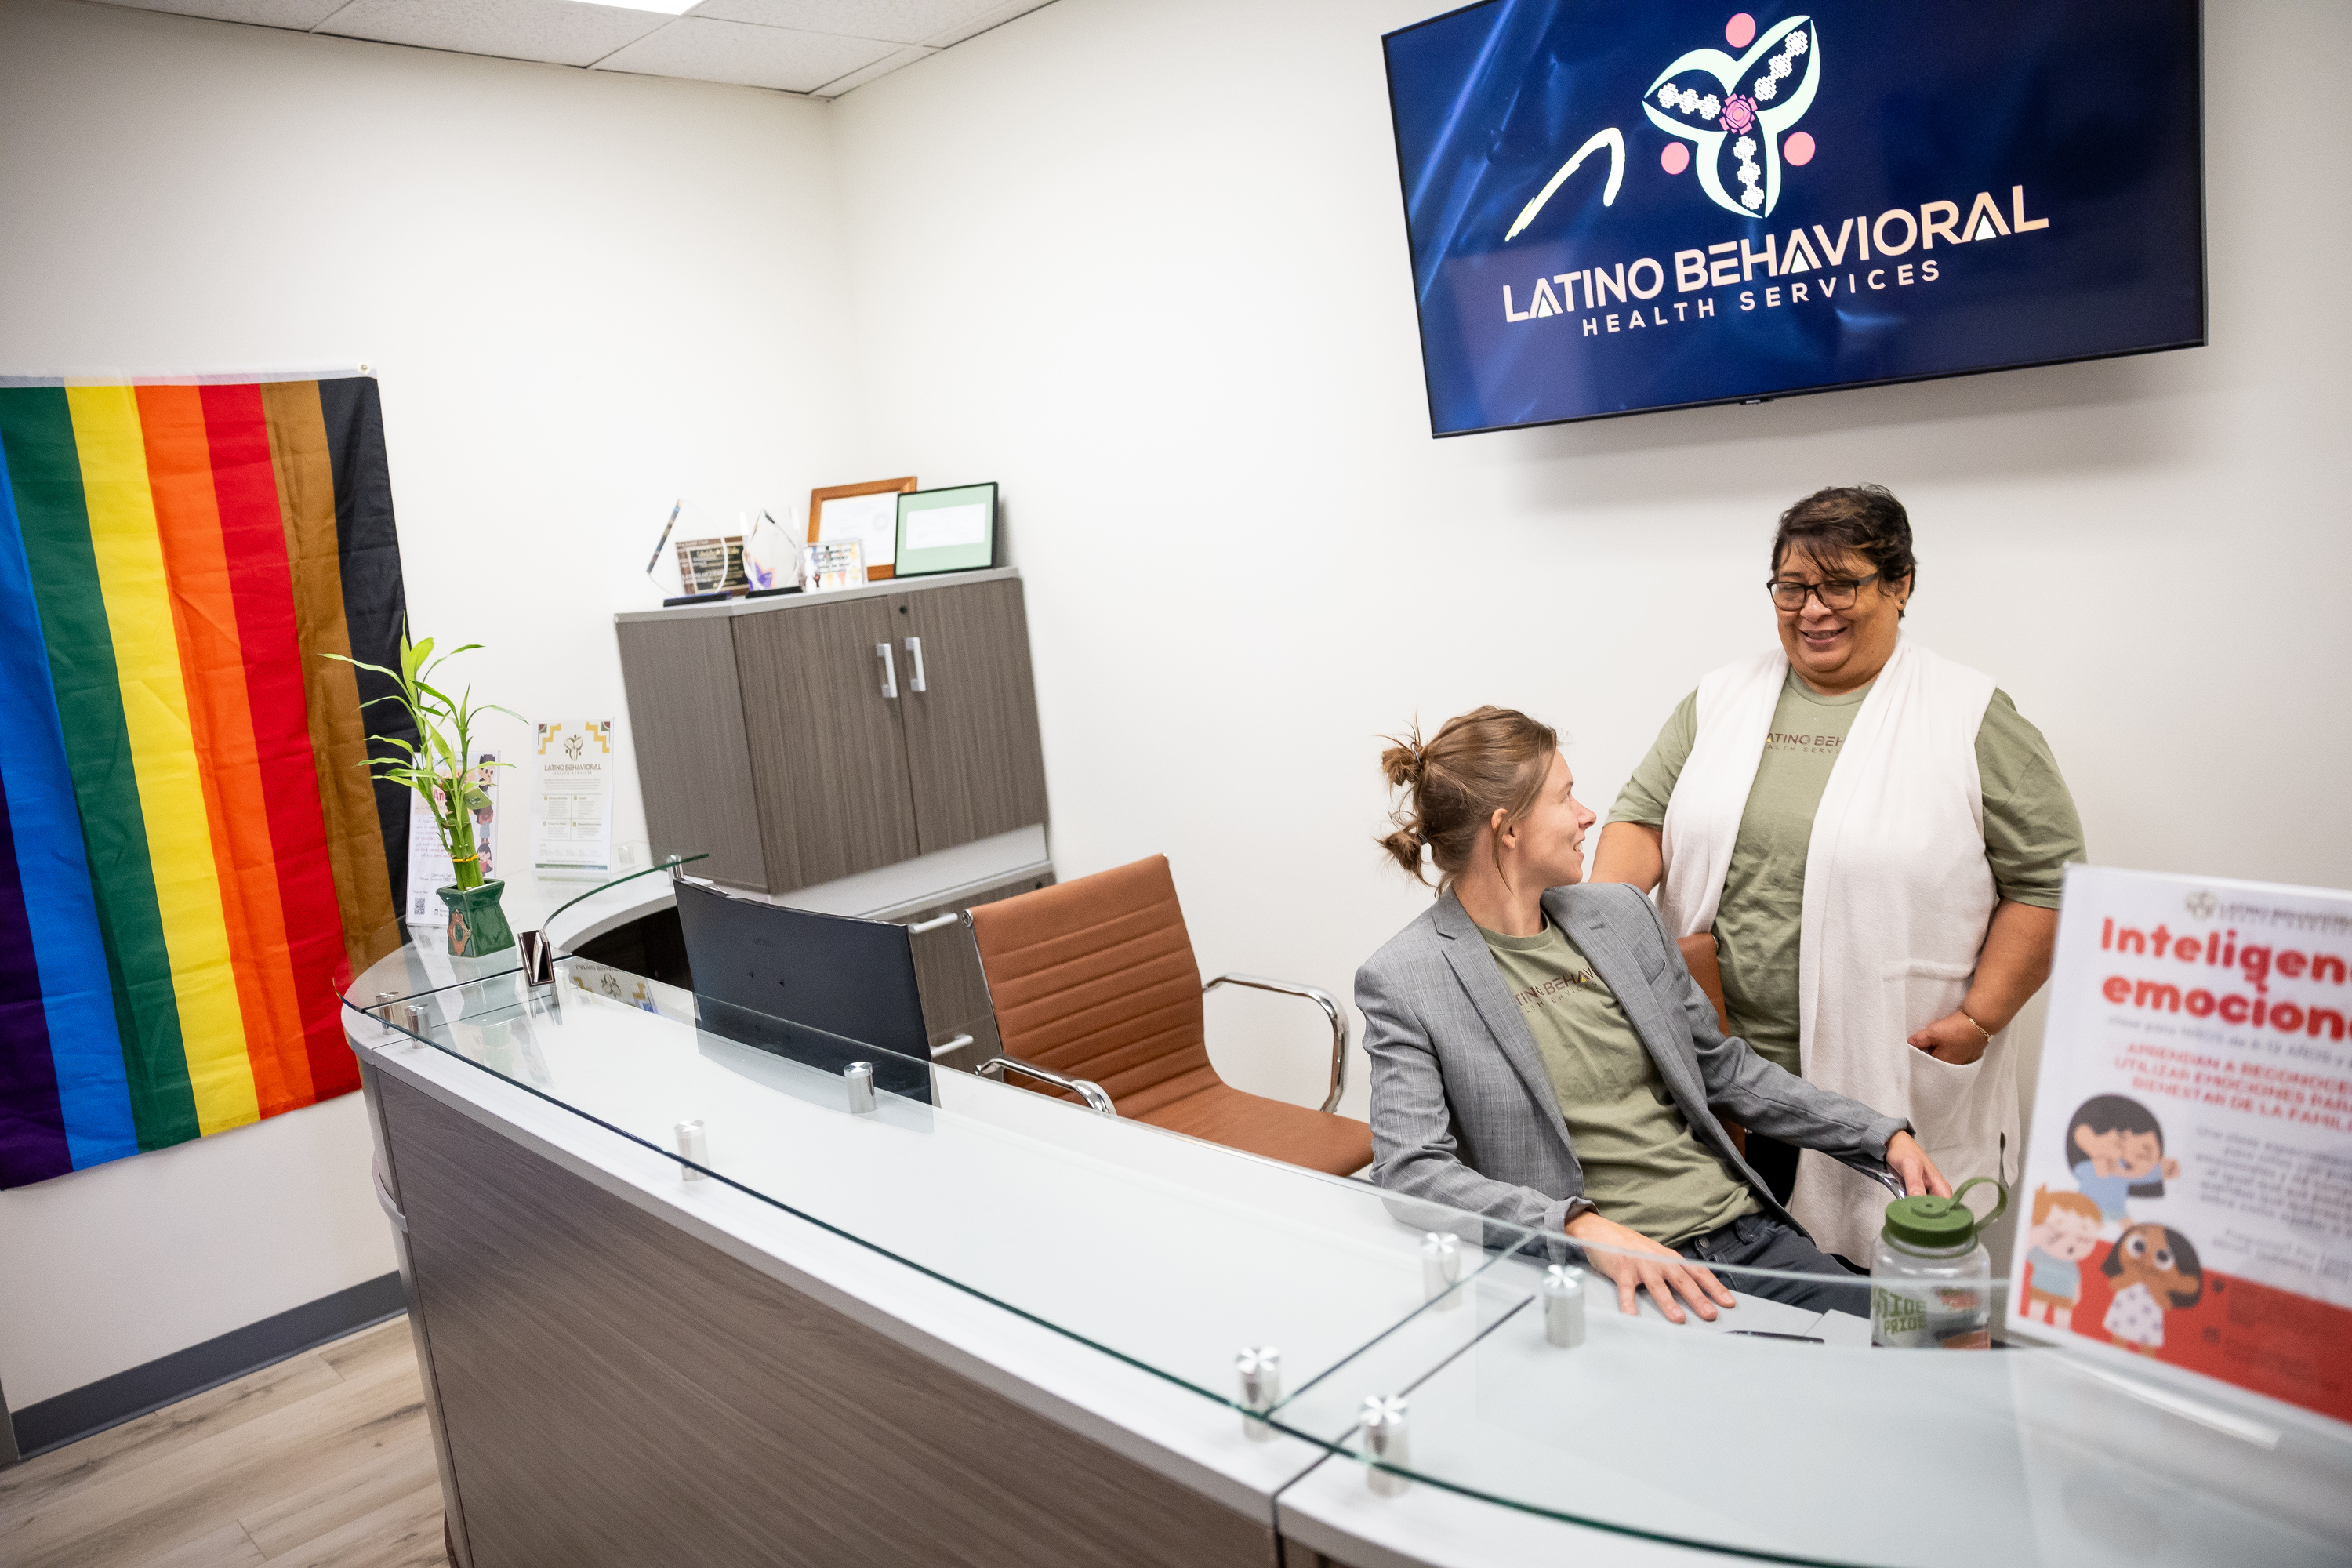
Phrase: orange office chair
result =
(1097, 997)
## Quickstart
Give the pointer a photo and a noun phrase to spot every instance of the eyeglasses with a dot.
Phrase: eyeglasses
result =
(1835, 593)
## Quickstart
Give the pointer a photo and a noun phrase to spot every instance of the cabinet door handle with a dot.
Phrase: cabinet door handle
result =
(889, 672)
(915, 652)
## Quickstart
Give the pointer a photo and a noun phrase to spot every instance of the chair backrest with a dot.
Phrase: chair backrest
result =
(1698, 957)
(1095, 979)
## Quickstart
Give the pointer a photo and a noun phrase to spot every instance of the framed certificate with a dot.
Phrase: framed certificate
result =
(946, 531)
(865, 513)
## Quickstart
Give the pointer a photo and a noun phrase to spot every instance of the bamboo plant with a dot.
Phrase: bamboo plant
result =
(434, 764)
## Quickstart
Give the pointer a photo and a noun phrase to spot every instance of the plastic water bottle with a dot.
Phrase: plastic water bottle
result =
(1930, 1277)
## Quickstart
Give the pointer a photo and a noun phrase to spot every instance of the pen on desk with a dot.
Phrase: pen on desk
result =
(663, 539)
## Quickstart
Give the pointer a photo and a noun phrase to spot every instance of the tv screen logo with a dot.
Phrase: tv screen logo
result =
(1731, 225)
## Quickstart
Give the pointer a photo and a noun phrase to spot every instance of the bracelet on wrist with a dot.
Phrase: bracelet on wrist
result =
(1979, 1028)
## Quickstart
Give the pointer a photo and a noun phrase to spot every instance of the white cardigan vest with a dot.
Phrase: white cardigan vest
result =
(1898, 895)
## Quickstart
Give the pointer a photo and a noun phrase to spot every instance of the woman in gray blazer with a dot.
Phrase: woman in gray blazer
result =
(1540, 1054)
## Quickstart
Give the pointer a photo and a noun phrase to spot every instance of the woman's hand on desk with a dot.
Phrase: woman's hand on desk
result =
(1660, 1269)
(1910, 1161)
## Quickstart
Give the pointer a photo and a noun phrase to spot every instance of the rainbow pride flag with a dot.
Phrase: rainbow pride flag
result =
(191, 847)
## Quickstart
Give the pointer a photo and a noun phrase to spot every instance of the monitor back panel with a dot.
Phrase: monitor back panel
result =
(824, 990)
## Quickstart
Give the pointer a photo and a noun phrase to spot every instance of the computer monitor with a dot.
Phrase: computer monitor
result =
(825, 990)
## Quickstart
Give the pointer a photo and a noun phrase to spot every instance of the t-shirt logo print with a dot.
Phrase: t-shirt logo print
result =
(1734, 112)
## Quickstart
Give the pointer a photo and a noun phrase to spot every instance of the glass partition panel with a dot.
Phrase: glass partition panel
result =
(1173, 1254)
(570, 908)
(1776, 1430)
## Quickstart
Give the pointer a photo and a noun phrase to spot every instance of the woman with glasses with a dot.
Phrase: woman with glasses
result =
(1876, 840)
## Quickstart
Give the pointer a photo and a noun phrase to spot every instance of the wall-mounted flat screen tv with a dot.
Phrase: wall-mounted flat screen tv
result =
(1617, 205)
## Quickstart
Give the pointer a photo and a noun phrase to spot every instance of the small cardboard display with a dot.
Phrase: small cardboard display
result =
(2188, 1190)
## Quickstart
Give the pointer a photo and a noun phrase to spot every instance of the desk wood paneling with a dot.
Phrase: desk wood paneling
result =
(615, 1393)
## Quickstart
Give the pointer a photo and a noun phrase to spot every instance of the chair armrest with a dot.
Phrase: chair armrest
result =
(1331, 1010)
(1876, 1169)
(1090, 1092)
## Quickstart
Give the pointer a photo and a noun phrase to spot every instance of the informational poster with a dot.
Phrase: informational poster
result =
(428, 860)
(2188, 1190)
(572, 813)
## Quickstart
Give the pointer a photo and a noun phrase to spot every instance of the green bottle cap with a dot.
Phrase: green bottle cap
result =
(1940, 1224)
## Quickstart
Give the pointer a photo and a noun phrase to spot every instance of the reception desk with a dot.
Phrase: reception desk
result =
(990, 1327)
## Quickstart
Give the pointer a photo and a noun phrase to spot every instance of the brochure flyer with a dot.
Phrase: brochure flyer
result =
(2188, 1189)
(571, 821)
(428, 859)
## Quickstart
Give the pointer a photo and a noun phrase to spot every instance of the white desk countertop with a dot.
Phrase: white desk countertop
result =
(1158, 1257)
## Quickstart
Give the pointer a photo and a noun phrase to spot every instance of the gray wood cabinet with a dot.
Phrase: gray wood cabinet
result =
(970, 710)
(829, 748)
(779, 737)
(687, 719)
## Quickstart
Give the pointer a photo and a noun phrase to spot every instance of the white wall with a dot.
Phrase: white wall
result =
(1146, 265)
(584, 295)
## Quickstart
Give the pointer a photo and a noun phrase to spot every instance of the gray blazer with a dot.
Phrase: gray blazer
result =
(1464, 1113)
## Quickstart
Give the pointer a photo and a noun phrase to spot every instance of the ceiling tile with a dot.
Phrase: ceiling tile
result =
(556, 30)
(303, 13)
(702, 49)
(882, 66)
(995, 15)
(896, 21)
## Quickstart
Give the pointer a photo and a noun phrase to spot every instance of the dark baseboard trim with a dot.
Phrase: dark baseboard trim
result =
(93, 1408)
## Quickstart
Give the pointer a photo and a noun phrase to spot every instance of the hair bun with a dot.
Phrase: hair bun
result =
(1406, 762)
(1478, 762)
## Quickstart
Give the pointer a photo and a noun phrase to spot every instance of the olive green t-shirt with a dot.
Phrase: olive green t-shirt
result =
(1643, 1168)
(2029, 824)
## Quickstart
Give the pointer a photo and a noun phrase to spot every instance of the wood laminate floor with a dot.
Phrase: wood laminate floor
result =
(321, 1459)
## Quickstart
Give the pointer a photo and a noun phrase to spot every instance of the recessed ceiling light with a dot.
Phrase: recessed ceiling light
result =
(666, 7)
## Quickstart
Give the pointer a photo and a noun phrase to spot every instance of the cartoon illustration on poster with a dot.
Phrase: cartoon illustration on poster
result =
(2189, 1169)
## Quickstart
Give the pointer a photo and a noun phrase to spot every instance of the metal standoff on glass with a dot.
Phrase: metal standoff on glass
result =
(1385, 1441)
(1563, 1305)
(694, 1146)
(859, 1076)
(384, 1000)
(538, 957)
(1440, 1269)
(1259, 1371)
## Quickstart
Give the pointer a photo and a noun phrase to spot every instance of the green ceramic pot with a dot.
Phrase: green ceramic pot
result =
(477, 927)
